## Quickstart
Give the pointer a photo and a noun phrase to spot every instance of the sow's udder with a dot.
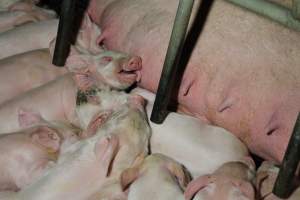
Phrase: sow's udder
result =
(242, 74)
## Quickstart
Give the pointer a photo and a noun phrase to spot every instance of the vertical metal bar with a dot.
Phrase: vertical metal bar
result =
(284, 182)
(296, 9)
(64, 33)
(170, 67)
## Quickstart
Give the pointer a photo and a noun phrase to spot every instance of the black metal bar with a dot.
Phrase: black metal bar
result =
(170, 67)
(284, 183)
(64, 33)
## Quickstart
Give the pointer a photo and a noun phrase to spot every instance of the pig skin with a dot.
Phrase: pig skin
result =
(193, 142)
(242, 74)
(20, 73)
(28, 37)
(157, 177)
(55, 100)
(83, 168)
(21, 13)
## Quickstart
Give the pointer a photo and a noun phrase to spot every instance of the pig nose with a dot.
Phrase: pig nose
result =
(134, 63)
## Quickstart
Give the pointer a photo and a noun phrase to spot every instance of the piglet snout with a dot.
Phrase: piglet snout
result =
(134, 63)
(132, 66)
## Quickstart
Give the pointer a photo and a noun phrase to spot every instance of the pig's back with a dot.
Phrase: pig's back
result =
(22, 72)
(27, 37)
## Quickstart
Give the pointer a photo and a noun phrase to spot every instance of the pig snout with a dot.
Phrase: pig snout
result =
(130, 68)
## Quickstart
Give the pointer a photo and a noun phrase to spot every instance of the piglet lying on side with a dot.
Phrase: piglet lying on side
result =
(201, 148)
(56, 100)
(232, 181)
(265, 180)
(22, 72)
(157, 177)
(21, 13)
(126, 119)
(118, 135)
(24, 155)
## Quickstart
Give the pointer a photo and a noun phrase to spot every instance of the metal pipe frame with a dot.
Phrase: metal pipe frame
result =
(284, 183)
(170, 67)
(273, 11)
(64, 33)
(296, 9)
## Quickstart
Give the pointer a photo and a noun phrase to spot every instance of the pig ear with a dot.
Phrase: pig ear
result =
(77, 62)
(95, 123)
(105, 150)
(128, 176)
(46, 137)
(28, 118)
(180, 173)
(247, 189)
(195, 185)
(84, 79)
(87, 37)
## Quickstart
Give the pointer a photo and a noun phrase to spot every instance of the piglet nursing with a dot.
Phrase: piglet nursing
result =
(201, 148)
(157, 177)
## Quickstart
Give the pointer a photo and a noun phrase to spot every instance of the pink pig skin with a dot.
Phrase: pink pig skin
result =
(242, 74)
(23, 72)
(55, 100)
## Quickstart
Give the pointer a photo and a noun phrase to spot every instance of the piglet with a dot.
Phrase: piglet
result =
(118, 136)
(26, 154)
(124, 116)
(21, 13)
(232, 181)
(116, 69)
(266, 176)
(157, 177)
(27, 37)
(109, 69)
(20, 73)
(192, 142)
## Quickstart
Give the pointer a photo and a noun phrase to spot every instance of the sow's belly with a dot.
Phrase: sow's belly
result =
(242, 74)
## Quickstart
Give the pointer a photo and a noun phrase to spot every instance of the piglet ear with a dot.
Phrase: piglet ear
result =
(128, 176)
(94, 124)
(76, 62)
(180, 173)
(105, 150)
(47, 138)
(196, 185)
(28, 118)
(86, 40)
